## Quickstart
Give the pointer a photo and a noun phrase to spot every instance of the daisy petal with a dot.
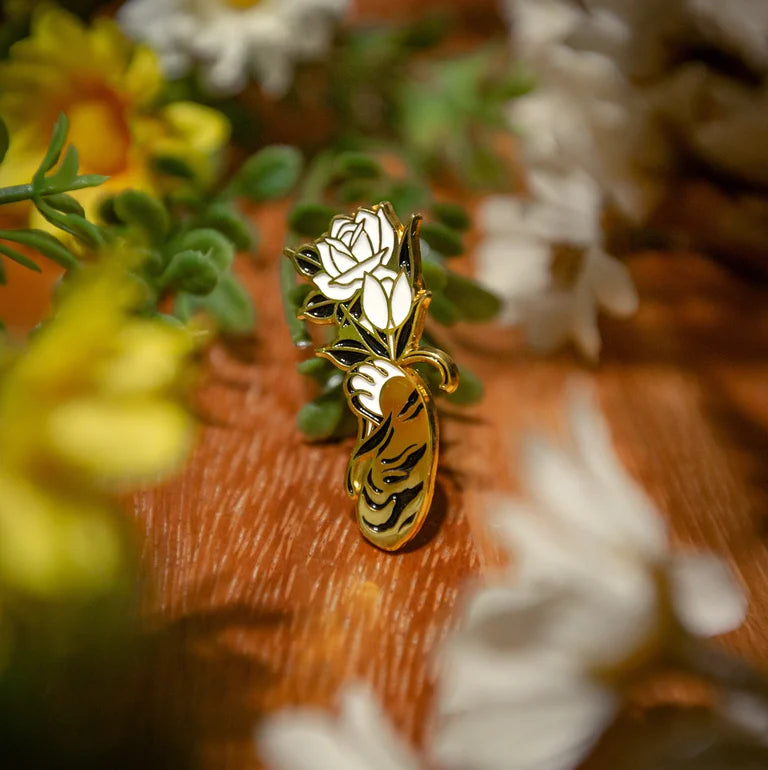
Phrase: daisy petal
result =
(707, 597)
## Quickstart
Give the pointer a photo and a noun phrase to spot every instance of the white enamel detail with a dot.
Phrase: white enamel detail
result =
(353, 249)
(387, 298)
(369, 380)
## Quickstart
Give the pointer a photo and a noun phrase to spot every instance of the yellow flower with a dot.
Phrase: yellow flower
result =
(93, 405)
(108, 87)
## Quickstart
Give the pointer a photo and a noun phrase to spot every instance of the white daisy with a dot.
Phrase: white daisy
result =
(545, 257)
(584, 113)
(362, 738)
(234, 39)
(539, 669)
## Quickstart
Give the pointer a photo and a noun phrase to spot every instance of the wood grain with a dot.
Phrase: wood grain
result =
(266, 595)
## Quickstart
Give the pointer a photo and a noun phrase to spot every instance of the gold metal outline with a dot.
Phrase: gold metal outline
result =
(306, 260)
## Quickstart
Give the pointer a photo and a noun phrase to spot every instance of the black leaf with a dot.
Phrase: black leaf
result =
(346, 353)
(306, 261)
(318, 306)
(404, 335)
(373, 342)
(410, 256)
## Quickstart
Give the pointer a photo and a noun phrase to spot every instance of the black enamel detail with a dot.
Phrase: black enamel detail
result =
(404, 335)
(415, 413)
(412, 399)
(307, 262)
(347, 353)
(376, 438)
(317, 306)
(401, 501)
(390, 460)
(410, 461)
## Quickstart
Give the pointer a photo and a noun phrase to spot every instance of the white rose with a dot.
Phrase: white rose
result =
(354, 248)
(387, 298)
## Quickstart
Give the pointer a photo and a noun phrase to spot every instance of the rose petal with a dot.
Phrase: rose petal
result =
(332, 289)
(339, 225)
(707, 597)
(401, 299)
(361, 246)
(375, 304)
(371, 226)
(341, 256)
(324, 250)
(388, 235)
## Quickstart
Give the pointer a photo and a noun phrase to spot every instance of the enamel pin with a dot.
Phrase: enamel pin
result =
(367, 276)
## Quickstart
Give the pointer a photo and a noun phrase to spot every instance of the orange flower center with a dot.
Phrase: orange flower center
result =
(99, 131)
(241, 4)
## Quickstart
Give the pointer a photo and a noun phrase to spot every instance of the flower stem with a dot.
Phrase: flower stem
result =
(24, 192)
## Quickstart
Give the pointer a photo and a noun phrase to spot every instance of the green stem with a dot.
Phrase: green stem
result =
(23, 192)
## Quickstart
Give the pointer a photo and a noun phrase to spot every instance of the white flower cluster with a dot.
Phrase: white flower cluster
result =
(234, 40)
(547, 649)
(614, 85)
(545, 256)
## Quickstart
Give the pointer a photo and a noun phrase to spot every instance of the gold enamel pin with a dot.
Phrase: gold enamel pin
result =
(367, 276)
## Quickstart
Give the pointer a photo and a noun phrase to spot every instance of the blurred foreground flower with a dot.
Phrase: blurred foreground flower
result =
(93, 405)
(545, 257)
(360, 739)
(109, 88)
(233, 39)
(550, 648)
(594, 599)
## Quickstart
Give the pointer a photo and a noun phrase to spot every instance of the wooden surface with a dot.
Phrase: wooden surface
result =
(263, 591)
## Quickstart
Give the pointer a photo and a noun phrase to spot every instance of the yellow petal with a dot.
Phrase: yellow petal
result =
(121, 439)
(53, 547)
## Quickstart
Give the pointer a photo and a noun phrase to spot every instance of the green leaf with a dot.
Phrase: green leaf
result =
(354, 190)
(229, 303)
(518, 83)
(406, 198)
(138, 209)
(65, 203)
(212, 243)
(87, 180)
(320, 418)
(171, 165)
(474, 303)
(452, 215)
(442, 239)
(318, 369)
(58, 137)
(271, 173)
(18, 257)
(43, 242)
(191, 271)
(443, 310)
(435, 277)
(310, 219)
(298, 294)
(357, 165)
(66, 173)
(227, 220)
(73, 224)
(5, 139)
(470, 389)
